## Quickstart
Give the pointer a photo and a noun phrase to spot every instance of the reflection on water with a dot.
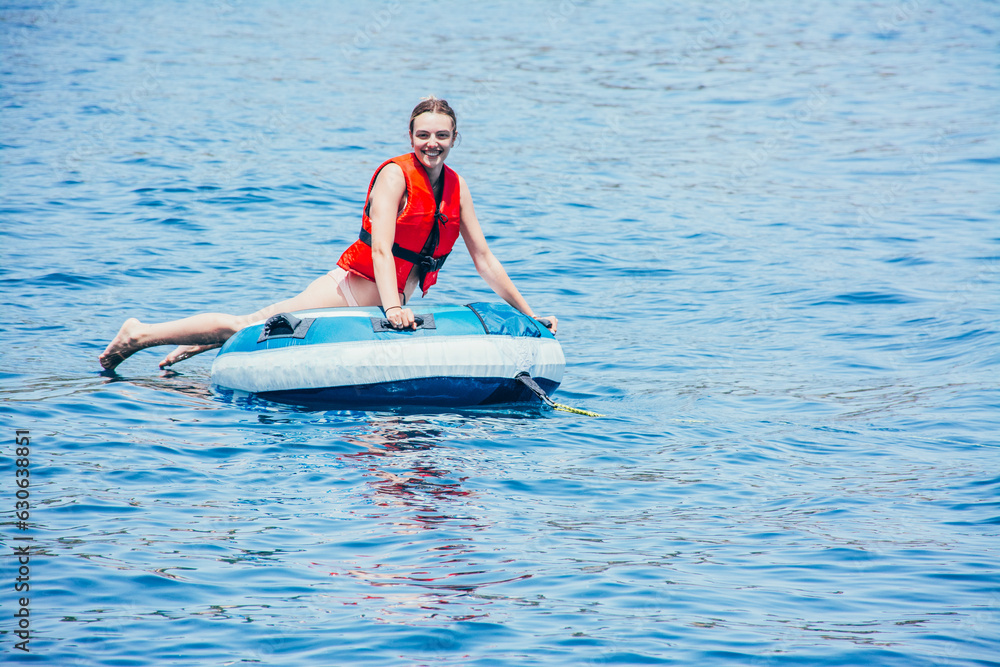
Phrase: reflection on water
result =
(411, 443)
(411, 491)
(169, 381)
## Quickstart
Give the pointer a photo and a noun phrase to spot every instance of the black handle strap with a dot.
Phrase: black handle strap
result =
(285, 325)
(425, 321)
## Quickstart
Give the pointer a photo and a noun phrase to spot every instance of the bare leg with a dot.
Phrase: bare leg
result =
(363, 290)
(210, 330)
(207, 328)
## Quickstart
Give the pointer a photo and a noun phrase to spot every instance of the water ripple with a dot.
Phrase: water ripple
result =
(770, 238)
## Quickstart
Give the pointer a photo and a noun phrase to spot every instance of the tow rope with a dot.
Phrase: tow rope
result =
(529, 382)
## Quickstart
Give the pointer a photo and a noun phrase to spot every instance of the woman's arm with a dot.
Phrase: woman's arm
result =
(487, 265)
(387, 193)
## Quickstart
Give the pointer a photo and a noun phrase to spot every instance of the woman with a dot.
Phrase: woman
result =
(415, 210)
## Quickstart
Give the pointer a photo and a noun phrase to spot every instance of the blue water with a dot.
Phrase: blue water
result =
(770, 230)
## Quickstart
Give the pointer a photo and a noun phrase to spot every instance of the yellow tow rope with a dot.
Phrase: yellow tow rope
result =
(530, 383)
(576, 411)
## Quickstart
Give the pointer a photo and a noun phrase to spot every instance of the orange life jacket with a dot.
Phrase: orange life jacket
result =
(426, 229)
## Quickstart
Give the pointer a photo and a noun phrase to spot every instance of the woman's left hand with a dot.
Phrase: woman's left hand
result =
(552, 322)
(401, 318)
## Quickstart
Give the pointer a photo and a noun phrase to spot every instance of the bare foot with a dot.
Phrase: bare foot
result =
(122, 347)
(183, 352)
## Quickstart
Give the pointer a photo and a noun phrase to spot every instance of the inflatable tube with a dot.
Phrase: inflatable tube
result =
(351, 357)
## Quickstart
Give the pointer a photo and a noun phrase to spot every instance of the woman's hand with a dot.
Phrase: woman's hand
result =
(553, 322)
(400, 318)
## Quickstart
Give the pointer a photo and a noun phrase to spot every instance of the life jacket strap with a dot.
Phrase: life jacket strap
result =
(425, 263)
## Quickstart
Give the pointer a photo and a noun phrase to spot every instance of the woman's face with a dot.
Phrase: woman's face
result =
(432, 137)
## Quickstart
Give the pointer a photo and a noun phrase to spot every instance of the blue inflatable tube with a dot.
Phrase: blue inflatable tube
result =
(350, 357)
